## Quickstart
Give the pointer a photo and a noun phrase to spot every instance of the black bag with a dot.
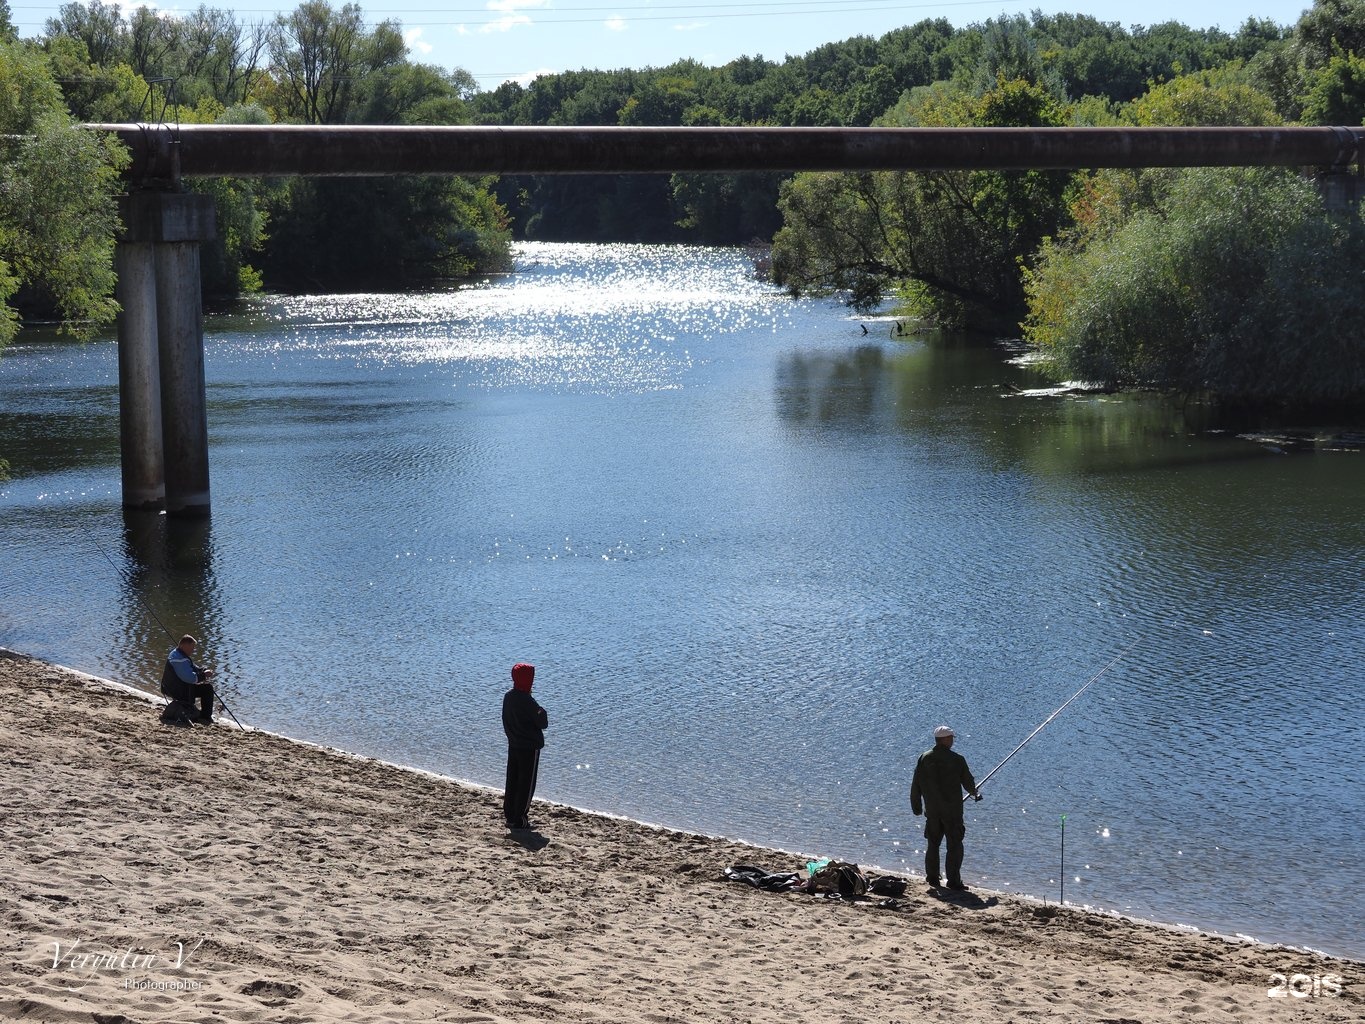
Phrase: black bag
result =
(887, 885)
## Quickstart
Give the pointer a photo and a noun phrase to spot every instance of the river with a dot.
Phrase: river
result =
(757, 553)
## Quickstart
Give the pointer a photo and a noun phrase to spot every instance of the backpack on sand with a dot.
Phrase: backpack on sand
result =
(839, 876)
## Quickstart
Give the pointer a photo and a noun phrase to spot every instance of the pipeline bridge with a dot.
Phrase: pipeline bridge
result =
(163, 421)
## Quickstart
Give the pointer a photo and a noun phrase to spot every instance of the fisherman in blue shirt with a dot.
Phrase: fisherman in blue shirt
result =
(183, 680)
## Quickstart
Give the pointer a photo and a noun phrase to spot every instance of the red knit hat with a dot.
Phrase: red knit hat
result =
(522, 676)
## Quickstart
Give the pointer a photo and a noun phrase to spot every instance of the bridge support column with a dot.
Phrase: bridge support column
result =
(139, 378)
(1342, 191)
(184, 411)
(166, 409)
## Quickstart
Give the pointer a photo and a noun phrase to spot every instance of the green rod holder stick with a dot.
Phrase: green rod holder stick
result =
(1062, 873)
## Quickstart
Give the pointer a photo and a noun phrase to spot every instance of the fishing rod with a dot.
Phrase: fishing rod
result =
(152, 612)
(1112, 662)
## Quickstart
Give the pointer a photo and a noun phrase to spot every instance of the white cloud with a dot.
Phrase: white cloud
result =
(508, 6)
(531, 76)
(616, 23)
(169, 13)
(505, 23)
(462, 30)
(691, 26)
(413, 38)
(511, 18)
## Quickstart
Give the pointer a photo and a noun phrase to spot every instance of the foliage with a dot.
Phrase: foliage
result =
(1235, 282)
(332, 233)
(1220, 96)
(320, 59)
(1187, 279)
(1330, 28)
(58, 213)
(207, 54)
(318, 65)
(1336, 95)
(957, 234)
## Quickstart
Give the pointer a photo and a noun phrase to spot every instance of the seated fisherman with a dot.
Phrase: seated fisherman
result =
(183, 680)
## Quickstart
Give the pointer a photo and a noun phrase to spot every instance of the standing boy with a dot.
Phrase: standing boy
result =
(525, 722)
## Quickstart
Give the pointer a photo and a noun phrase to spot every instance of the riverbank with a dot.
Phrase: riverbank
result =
(189, 874)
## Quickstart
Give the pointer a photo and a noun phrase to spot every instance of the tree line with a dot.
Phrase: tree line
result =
(317, 65)
(992, 250)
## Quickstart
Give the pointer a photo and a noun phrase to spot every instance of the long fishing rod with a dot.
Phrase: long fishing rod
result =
(1112, 662)
(152, 612)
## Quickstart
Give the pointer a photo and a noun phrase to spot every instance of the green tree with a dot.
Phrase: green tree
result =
(240, 206)
(1235, 282)
(94, 93)
(320, 57)
(950, 241)
(219, 56)
(1279, 72)
(326, 67)
(330, 233)
(1337, 93)
(98, 25)
(405, 93)
(150, 42)
(1009, 52)
(727, 209)
(58, 215)
(206, 54)
(1219, 96)
(1331, 27)
(1092, 58)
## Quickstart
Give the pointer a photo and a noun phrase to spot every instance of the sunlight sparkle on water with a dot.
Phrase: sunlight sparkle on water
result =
(567, 320)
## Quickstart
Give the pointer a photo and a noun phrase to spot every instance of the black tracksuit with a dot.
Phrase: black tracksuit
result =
(525, 722)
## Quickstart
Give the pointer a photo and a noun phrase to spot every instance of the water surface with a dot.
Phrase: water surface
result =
(757, 555)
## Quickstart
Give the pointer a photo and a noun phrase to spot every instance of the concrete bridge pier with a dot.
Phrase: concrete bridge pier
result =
(1342, 191)
(139, 378)
(163, 412)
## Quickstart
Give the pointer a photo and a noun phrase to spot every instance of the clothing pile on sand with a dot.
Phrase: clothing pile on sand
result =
(833, 879)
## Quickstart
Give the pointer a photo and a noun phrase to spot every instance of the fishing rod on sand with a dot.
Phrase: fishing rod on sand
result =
(152, 612)
(1112, 662)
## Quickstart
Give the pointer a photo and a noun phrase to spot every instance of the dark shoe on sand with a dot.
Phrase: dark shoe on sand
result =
(934, 883)
(959, 886)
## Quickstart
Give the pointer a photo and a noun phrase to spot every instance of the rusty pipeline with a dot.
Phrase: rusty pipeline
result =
(162, 152)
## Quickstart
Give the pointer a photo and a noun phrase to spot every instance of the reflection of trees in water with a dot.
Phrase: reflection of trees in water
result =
(906, 386)
(963, 391)
(1146, 466)
(168, 589)
(830, 388)
(47, 438)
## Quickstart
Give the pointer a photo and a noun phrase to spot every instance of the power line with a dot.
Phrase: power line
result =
(683, 10)
(523, 17)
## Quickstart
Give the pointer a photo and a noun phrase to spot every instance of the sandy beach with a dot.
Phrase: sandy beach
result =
(154, 873)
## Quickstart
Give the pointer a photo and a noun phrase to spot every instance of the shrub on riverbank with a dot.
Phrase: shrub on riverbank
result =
(1235, 282)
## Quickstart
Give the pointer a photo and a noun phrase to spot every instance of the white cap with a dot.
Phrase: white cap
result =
(942, 731)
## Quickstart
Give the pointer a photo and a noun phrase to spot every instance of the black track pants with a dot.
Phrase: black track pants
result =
(936, 829)
(522, 767)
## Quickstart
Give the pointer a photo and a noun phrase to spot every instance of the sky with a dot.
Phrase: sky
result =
(501, 40)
